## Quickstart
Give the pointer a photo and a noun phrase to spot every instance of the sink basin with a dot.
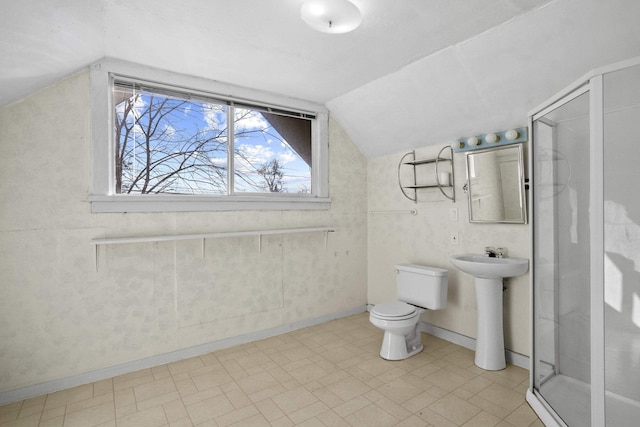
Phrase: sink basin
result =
(490, 268)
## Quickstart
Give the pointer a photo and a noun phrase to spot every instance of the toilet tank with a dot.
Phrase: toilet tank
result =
(422, 286)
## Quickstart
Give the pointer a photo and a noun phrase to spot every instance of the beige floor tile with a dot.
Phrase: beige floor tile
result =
(27, 411)
(212, 378)
(312, 422)
(186, 387)
(399, 390)
(209, 409)
(282, 422)
(175, 410)
(371, 416)
(420, 401)
(522, 416)
(160, 372)
(103, 387)
(153, 389)
(124, 397)
(269, 409)
(256, 383)
(348, 408)
(482, 419)
(331, 419)
(446, 380)
(455, 409)
(186, 365)
(184, 422)
(338, 354)
(326, 396)
(10, 411)
(501, 395)
(88, 403)
(326, 375)
(391, 407)
(91, 416)
(267, 393)
(425, 371)
(434, 419)
(152, 417)
(53, 413)
(476, 385)
(308, 412)
(348, 388)
(412, 421)
(294, 400)
(308, 373)
(537, 423)
(58, 422)
(30, 421)
(281, 375)
(123, 411)
(237, 416)
(133, 379)
(489, 406)
(158, 400)
(238, 398)
(334, 377)
(72, 395)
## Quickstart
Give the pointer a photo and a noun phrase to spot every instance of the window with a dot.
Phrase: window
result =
(173, 149)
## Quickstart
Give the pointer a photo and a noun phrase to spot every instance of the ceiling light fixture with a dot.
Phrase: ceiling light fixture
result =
(331, 16)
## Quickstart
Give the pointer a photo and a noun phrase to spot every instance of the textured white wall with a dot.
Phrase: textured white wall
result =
(424, 239)
(60, 317)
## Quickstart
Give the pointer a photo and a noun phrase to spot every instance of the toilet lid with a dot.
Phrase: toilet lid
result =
(393, 309)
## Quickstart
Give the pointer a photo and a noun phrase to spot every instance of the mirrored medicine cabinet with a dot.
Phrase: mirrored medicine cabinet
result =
(495, 185)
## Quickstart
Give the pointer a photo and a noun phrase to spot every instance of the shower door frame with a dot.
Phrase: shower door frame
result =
(544, 410)
(593, 84)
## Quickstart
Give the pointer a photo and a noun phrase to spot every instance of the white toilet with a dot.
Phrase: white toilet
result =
(419, 288)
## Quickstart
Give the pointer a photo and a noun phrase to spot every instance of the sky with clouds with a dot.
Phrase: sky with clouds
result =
(256, 141)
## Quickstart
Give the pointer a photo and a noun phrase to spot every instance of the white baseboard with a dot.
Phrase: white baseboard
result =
(513, 358)
(161, 359)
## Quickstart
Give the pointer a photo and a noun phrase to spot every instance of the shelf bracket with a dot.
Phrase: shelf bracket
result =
(435, 161)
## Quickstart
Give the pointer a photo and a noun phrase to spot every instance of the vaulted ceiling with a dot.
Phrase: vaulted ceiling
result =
(415, 73)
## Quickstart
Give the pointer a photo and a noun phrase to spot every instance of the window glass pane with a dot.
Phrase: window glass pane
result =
(272, 153)
(167, 145)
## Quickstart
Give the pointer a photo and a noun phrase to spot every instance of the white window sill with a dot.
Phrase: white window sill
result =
(171, 203)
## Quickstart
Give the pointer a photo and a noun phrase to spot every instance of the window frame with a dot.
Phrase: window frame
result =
(103, 197)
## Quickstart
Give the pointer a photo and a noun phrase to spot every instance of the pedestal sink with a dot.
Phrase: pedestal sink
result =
(488, 273)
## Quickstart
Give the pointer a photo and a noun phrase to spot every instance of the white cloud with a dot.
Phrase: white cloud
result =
(169, 130)
(247, 120)
(215, 116)
(252, 156)
(218, 161)
(287, 157)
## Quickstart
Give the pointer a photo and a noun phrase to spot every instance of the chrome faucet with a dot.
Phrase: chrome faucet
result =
(494, 253)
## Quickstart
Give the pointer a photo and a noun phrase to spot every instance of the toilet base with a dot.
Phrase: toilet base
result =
(399, 347)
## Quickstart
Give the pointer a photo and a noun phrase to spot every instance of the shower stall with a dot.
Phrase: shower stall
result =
(585, 203)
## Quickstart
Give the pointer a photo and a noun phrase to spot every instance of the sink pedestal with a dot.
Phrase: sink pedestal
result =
(490, 340)
(489, 273)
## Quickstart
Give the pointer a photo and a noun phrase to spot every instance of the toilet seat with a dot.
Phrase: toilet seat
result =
(396, 310)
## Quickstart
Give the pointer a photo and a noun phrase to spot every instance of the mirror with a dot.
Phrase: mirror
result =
(495, 185)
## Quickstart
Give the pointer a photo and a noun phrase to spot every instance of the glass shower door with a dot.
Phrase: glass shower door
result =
(621, 103)
(562, 315)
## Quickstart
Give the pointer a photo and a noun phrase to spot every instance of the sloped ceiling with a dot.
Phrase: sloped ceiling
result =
(416, 72)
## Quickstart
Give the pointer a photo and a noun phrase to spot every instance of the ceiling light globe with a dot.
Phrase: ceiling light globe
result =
(331, 16)
(491, 138)
(512, 134)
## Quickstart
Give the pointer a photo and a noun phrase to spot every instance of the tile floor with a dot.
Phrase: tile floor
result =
(326, 375)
